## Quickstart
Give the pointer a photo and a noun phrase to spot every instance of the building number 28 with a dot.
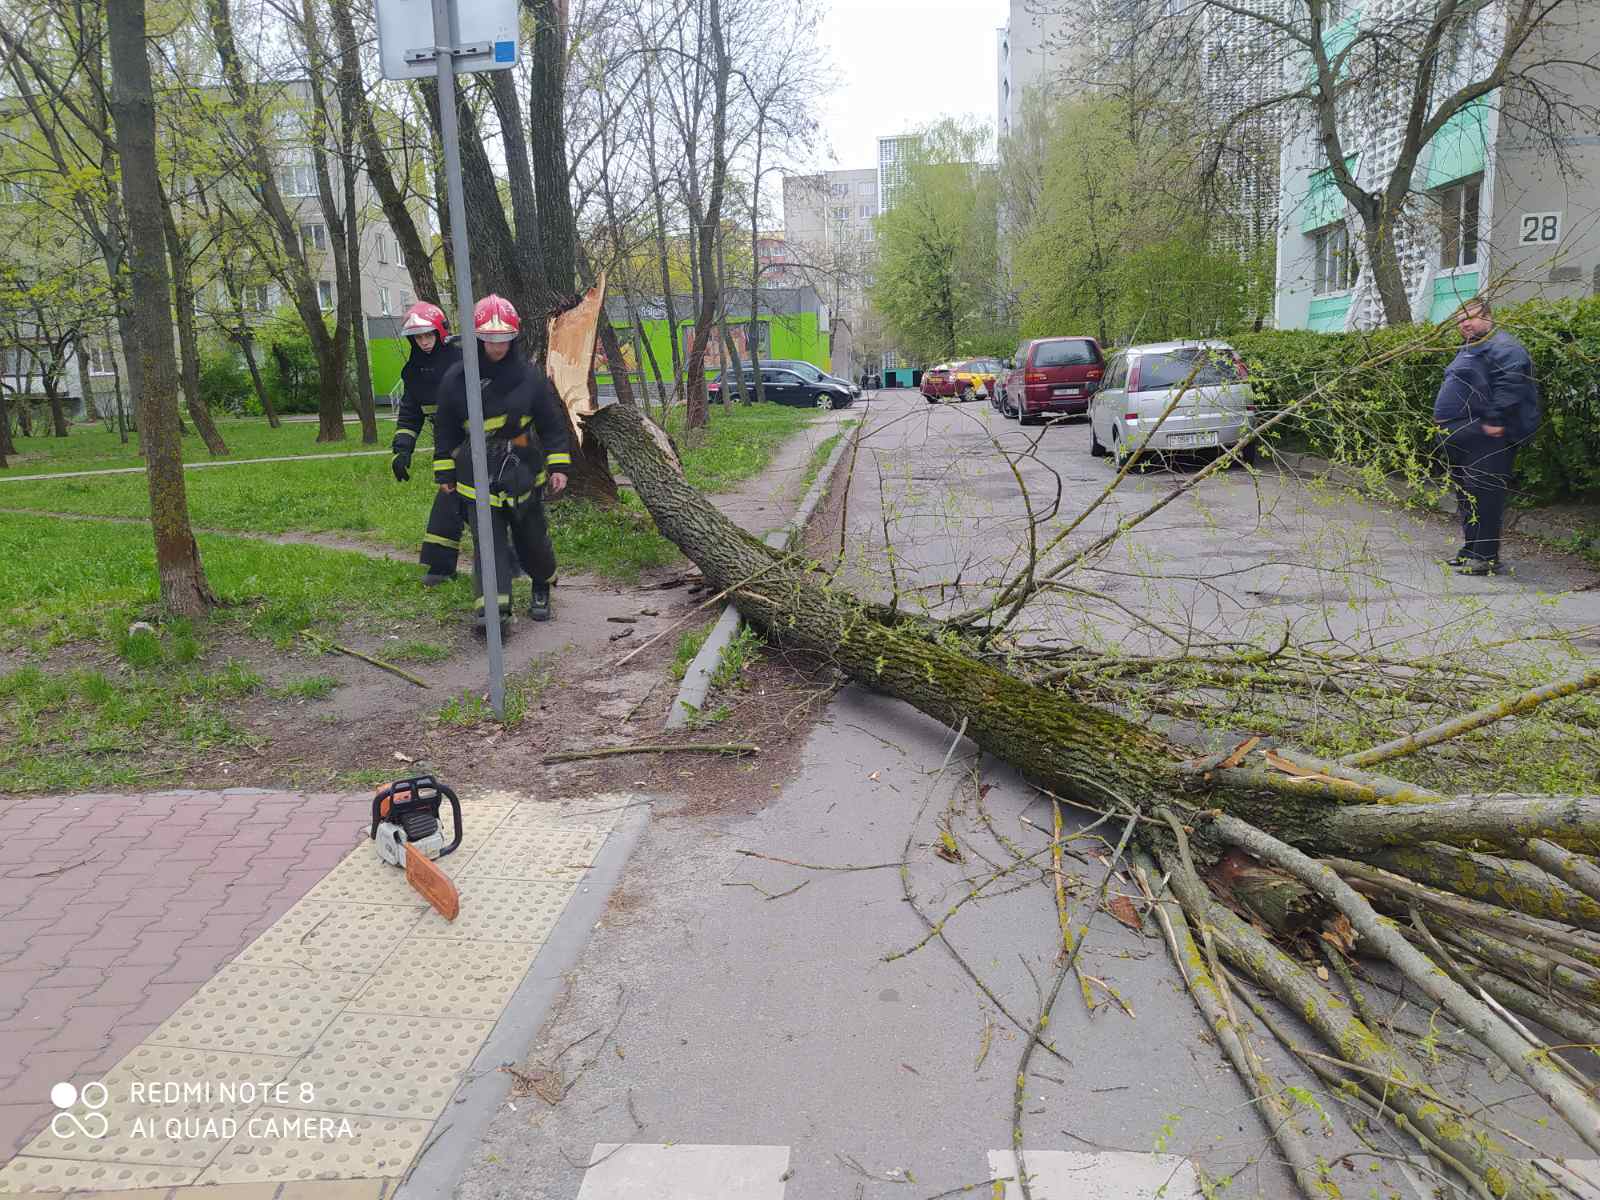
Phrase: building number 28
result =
(1540, 228)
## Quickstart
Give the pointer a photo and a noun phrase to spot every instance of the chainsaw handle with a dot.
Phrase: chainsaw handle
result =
(455, 812)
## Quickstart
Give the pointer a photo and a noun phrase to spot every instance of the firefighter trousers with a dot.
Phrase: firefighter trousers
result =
(441, 545)
(521, 528)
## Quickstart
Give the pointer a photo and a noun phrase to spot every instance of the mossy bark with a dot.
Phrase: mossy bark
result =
(1504, 881)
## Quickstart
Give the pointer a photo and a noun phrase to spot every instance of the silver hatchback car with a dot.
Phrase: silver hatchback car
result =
(1203, 384)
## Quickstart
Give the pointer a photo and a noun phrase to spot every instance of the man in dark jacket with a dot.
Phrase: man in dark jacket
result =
(1486, 409)
(431, 356)
(528, 447)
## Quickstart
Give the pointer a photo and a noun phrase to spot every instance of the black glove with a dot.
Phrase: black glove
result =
(401, 465)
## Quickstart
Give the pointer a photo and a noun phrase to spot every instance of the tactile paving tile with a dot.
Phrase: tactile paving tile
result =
(499, 910)
(327, 936)
(374, 1065)
(379, 1147)
(361, 876)
(517, 851)
(149, 1119)
(26, 1173)
(435, 978)
(593, 812)
(259, 1010)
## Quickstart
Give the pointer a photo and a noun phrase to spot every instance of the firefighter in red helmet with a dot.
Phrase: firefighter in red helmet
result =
(528, 449)
(432, 354)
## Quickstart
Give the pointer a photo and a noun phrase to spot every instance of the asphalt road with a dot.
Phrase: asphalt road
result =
(738, 1038)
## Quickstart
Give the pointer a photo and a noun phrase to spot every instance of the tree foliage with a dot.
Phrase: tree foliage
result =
(937, 284)
(1116, 245)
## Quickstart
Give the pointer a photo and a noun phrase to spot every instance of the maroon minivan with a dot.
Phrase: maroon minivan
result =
(1052, 375)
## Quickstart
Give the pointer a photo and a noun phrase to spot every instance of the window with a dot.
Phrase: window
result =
(841, 212)
(383, 301)
(1458, 224)
(1336, 268)
(257, 297)
(99, 360)
(325, 294)
(12, 191)
(405, 301)
(297, 180)
(1196, 367)
(1067, 353)
(314, 236)
(866, 212)
(865, 187)
(383, 251)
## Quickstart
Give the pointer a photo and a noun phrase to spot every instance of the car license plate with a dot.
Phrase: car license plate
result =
(1183, 441)
(1068, 391)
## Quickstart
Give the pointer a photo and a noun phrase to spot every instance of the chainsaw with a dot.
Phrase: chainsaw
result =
(407, 833)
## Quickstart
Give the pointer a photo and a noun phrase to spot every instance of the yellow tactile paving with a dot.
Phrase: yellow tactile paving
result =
(25, 1173)
(518, 851)
(319, 1145)
(308, 1008)
(260, 1010)
(428, 978)
(366, 1063)
(331, 936)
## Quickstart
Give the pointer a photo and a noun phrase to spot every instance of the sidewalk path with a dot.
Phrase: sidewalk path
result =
(249, 946)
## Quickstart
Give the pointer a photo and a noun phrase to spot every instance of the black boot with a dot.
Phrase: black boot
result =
(539, 606)
(480, 626)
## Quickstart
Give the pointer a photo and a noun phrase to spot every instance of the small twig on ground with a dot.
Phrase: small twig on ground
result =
(789, 862)
(323, 645)
(730, 748)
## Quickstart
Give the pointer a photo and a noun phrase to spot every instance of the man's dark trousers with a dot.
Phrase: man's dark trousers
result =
(527, 531)
(1480, 472)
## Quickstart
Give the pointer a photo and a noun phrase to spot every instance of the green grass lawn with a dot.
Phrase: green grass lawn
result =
(129, 709)
(92, 447)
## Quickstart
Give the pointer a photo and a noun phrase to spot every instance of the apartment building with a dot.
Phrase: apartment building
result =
(1502, 203)
(1033, 51)
(829, 240)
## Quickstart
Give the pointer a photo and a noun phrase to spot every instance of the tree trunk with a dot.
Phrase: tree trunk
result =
(366, 409)
(296, 275)
(7, 446)
(80, 353)
(247, 347)
(188, 345)
(24, 416)
(710, 221)
(116, 392)
(184, 590)
(58, 410)
(1384, 263)
(557, 238)
(412, 251)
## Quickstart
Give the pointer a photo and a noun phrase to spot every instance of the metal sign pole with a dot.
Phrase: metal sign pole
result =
(483, 536)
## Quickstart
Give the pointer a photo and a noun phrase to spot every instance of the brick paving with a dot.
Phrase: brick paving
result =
(115, 909)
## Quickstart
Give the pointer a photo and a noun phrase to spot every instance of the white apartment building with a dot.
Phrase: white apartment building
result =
(1032, 51)
(828, 237)
(1491, 211)
(893, 155)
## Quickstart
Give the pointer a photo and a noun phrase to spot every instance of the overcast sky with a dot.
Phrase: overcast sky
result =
(902, 64)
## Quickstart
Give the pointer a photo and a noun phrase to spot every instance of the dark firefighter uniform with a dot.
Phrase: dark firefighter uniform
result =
(527, 437)
(423, 373)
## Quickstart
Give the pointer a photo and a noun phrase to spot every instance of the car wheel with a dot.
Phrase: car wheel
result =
(824, 402)
(1022, 416)
(1096, 450)
(965, 394)
(1248, 455)
(930, 399)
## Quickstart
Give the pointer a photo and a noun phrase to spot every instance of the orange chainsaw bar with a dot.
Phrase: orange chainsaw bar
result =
(432, 884)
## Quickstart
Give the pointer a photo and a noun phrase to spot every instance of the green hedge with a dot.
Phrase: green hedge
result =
(1378, 415)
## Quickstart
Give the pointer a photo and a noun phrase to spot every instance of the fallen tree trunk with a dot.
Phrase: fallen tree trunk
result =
(1286, 806)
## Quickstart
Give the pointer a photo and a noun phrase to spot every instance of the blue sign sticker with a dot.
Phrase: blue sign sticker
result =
(505, 52)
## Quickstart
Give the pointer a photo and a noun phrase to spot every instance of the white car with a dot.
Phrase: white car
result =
(1204, 384)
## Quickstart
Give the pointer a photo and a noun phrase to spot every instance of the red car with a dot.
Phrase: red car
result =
(1052, 375)
(937, 383)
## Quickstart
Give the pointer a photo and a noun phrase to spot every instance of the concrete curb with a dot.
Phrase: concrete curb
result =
(697, 679)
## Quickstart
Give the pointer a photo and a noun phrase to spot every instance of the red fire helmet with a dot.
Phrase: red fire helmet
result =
(423, 317)
(495, 319)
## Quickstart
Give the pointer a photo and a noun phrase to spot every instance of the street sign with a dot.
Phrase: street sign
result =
(483, 33)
